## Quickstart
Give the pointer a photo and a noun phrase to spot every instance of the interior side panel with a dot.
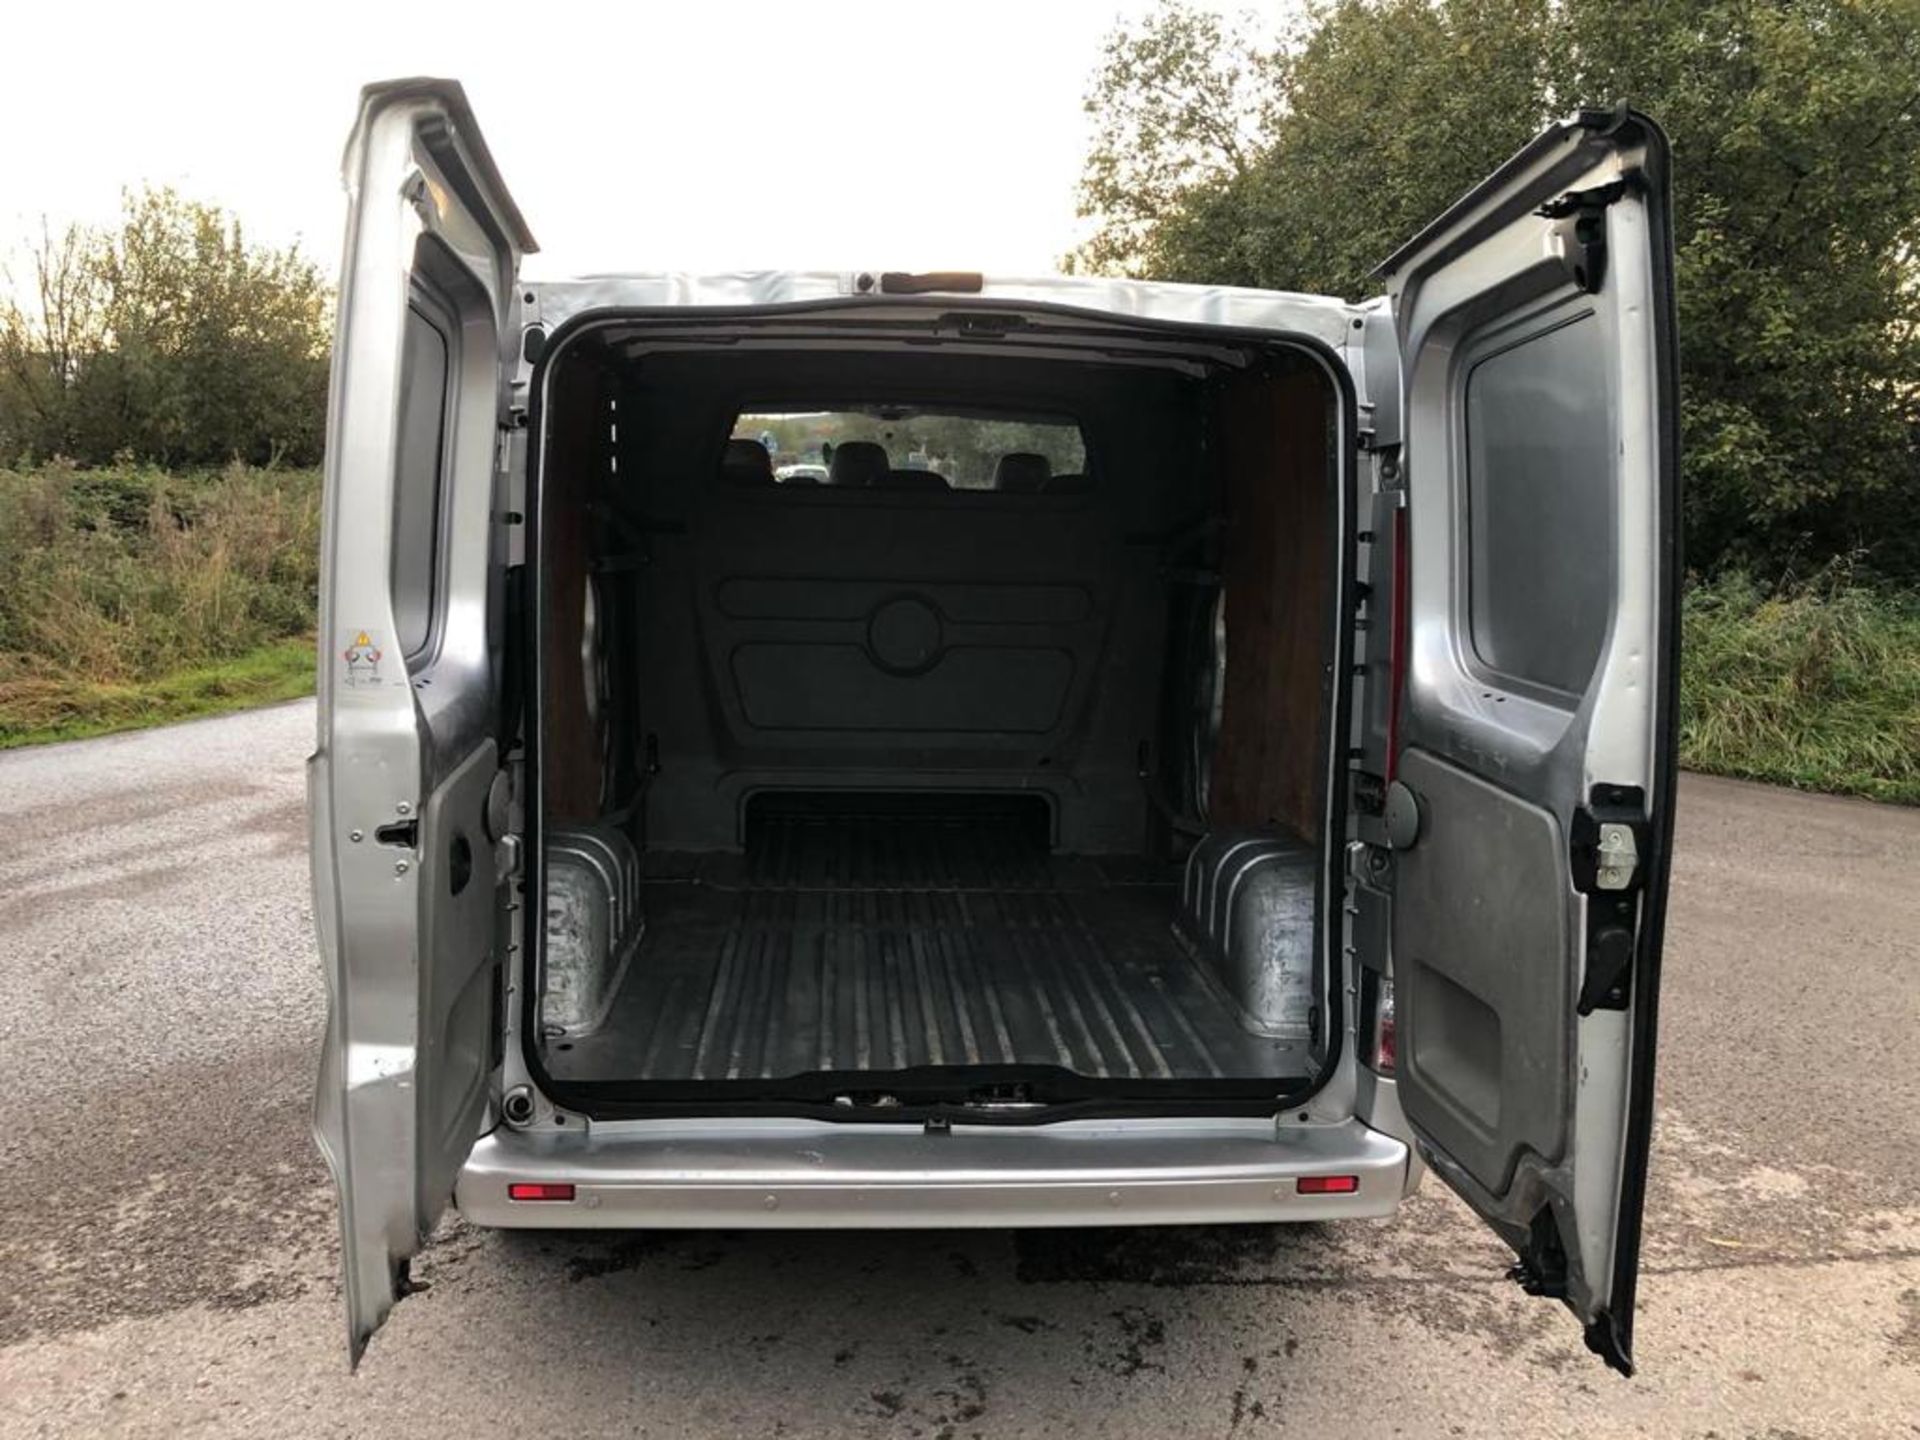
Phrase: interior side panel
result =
(575, 754)
(1278, 572)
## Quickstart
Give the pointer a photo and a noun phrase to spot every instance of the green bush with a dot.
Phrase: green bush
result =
(114, 579)
(170, 337)
(1817, 688)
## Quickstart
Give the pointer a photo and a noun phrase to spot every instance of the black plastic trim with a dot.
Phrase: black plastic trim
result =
(935, 282)
(923, 1093)
(1611, 1334)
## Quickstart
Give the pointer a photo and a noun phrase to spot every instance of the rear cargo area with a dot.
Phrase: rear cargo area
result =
(861, 935)
(931, 711)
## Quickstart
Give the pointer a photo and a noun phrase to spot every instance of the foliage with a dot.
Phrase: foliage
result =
(73, 707)
(1818, 687)
(170, 339)
(1182, 105)
(113, 580)
(1796, 131)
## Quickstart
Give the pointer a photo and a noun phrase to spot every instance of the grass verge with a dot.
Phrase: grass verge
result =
(132, 596)
(1818, 689)
(37, 709)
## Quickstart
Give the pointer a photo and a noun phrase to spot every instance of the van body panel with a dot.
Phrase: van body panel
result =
(426, 802)
(1532, 795)
(407, 756)
(761, 1175)
(555, 303)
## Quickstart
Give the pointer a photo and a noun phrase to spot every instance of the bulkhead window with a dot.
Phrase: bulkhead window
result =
(882, 446)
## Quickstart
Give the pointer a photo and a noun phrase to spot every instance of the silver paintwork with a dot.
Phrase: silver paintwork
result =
(820, 1175)
(408, 955)
(403, 963)
(1319, 317)
(1490, 273)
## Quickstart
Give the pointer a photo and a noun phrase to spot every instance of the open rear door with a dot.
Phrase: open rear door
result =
(1532, 792)
(406, 792)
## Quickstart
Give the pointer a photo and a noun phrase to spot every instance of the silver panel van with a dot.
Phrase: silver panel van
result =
(893, 749)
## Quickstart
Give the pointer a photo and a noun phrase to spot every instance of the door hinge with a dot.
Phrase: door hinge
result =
(1369, 793)
(1371, 443)
(1541, 1264)
(1580, 231)
(506, 858)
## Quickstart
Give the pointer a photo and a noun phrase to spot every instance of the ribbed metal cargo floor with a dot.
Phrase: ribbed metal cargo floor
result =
(874, 943)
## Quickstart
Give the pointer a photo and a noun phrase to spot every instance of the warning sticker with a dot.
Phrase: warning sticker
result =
(362, 656)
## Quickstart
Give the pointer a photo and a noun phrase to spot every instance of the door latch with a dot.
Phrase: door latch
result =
(1617, 857)
(1605, 859)
(403, 833)
(1604, 840)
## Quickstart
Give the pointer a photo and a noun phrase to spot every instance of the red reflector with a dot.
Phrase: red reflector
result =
(540, 1192)
(1328, 1184)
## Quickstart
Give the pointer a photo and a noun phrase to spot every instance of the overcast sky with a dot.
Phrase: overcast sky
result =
(698, 134)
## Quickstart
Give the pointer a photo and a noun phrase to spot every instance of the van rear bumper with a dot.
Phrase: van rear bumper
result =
(809, 1175)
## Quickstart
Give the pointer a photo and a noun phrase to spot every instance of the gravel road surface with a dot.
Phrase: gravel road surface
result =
(167, 1261)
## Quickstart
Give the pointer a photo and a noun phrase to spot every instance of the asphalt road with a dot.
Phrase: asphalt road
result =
(167, 1250)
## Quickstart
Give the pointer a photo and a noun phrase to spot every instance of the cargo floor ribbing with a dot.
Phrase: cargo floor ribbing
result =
(869, 943)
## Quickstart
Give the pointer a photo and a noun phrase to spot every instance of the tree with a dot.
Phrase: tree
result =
(43, 350)
(1796, 130)
(171, 338)
(1182, 104)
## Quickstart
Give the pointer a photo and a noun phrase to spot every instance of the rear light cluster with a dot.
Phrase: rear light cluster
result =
(1381, 1043)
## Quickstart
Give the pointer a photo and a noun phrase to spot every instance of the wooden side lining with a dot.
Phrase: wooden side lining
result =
(573, 762)
(1278, 564)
